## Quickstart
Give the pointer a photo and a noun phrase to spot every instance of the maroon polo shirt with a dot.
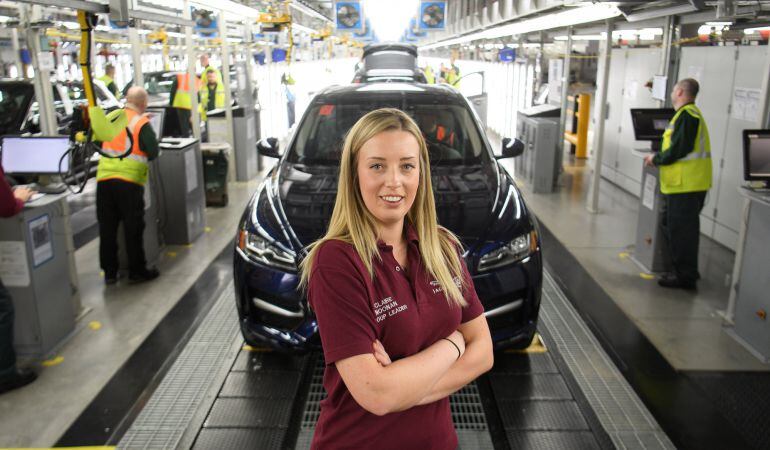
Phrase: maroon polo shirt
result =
(407, 311)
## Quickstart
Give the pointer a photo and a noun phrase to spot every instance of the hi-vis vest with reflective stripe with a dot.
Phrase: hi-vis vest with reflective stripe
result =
(693, 172)
(219, 96)
(107, 80)
(182, 98)
(132, 168)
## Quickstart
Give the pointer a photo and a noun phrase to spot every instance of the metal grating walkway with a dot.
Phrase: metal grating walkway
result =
(170, 410)
(619, 410)
(219, 397)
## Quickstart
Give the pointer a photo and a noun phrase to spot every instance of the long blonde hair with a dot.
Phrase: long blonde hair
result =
(352, 222)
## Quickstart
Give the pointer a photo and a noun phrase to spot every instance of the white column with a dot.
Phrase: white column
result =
(226, 81)
(42, 80)
(136, 53)
(564, 90)
(601, 111)
(195, 116)
(17, 51)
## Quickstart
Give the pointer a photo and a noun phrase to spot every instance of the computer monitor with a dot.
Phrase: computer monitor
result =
(649, 124)
(157, 117)
(35, 155)
(756, 155)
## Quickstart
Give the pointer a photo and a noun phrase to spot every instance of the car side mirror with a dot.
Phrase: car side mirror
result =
(511, 148)
(269, 147)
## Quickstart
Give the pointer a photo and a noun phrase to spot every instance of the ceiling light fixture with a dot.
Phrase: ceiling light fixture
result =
(565, 18)
(390, 19)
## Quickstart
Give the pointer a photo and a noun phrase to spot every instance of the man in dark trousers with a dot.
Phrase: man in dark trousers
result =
(120, 192)
(685, 178)
(11, 203)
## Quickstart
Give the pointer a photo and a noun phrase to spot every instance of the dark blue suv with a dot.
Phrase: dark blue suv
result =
(475, 198)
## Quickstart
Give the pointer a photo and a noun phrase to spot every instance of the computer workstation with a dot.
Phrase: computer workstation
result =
(756, 159)
(38, 157)
(650, 124)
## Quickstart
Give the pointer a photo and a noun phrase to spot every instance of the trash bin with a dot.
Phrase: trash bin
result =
(215, 161)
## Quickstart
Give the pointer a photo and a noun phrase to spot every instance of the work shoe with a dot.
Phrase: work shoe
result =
(19, 379)
(145, 275)
(672, 281)
(110, 279)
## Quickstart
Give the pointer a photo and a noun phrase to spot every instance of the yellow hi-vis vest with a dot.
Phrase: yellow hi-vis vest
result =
(693, 172)
(107, 80)
(430, 77)
(132, 168)
(182, 98)
(219, 95)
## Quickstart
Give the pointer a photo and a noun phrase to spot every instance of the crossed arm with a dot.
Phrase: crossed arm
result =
(382, 387)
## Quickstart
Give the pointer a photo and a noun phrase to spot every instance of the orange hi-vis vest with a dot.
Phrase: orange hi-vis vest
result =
(182, 99)
(132, 167)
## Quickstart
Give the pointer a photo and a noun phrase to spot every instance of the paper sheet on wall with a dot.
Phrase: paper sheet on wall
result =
(648, 194)
(13, 264)
(631, 89)
(189, 168)
(746, 104)
(40, 237)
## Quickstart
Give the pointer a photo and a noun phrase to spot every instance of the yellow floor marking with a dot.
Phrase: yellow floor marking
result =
(536, 346)
(188, 245)
(53, 362)
(95, 325)
(623, 255)
(171, 254)
(207, 229)
(249, 348)
(647, 276)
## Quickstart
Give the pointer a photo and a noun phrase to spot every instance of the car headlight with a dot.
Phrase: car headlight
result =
(266, 252)
(514, 251)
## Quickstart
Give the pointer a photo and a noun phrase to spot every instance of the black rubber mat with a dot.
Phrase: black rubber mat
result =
(266, 385)
(249, 413)
(547, 440)
(238, 439)
(529, 364)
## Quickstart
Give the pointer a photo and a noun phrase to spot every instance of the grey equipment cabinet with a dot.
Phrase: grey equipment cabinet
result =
(246, 134)
(151, 237)
(183, 193)
(539, 165)
(752, 302)
(35, 268)
(650, 252)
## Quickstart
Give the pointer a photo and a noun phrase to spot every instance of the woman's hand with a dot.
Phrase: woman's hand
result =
(380, 354)
(458, 339)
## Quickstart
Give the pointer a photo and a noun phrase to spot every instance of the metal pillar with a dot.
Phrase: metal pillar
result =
(17, 51)
(601, 112)
(42, 79)
(665, 56)
(565, 89)
(226, 81)
(136, 53)
(194, 114)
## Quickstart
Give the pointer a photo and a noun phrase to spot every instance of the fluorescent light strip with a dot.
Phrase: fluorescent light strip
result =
(309, 11)
(567, 17)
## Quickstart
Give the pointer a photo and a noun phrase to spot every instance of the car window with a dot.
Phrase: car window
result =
(14, 100)
(449, 130)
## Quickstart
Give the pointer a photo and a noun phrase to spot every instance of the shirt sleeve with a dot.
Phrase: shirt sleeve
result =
(9, 205)
(474, 308)
(148, 142)
(682, 140)
(345, 318)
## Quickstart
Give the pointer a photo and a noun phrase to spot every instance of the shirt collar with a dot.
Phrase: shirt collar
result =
(411, 236)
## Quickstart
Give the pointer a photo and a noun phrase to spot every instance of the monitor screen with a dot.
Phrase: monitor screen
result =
(156, 117)
(35, 155)
(756, 154)
(649, 124)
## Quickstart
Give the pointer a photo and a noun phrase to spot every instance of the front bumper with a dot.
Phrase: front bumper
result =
(271, 314)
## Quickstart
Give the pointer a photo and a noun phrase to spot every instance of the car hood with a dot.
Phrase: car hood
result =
(466, 198)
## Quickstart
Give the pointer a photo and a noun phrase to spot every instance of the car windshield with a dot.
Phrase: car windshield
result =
(450, 131)
(14, 99)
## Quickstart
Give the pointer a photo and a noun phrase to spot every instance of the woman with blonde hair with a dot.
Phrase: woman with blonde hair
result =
(400, 322)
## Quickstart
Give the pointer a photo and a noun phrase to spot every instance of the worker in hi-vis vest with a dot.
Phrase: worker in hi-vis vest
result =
(685, 178)
(181, 101)
(213, 93)
(120, 192)
(108, 80)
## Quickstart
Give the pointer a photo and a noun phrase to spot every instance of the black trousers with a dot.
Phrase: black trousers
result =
(681, 228)
(185, 126)
(120, 201)
(7, 355)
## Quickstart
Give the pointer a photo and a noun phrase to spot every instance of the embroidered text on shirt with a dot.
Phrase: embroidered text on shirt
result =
(387, 307)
